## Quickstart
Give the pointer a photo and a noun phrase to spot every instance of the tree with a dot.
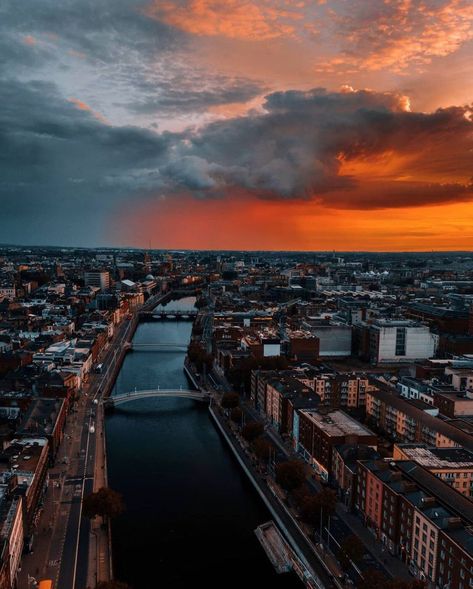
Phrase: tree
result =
(199, 357)
(104, 502)
(252, 430)
(322, 504)
(290, 474)
(328, 500)
(236, 414)
(418, 584)
(262, 448)
(230, 400)
(351, 549)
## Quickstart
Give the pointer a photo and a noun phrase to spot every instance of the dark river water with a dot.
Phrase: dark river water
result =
(190, 511)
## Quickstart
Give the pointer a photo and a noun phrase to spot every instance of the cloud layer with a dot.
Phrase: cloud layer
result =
(121, 103)
(345, 150)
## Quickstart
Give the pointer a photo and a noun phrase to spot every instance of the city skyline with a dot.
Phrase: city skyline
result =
(256, 125)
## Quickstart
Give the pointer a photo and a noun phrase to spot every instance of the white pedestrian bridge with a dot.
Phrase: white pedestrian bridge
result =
(123, 398)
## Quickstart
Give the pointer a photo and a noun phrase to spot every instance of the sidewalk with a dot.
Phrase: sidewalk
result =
(45, 560)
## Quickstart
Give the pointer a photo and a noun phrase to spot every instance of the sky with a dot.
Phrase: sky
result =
(237, 124)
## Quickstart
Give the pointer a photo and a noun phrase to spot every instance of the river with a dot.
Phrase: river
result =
(190, 510)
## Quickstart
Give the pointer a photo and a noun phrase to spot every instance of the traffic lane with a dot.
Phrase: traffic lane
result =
(84, 539)
(66, 573)
(90, 466)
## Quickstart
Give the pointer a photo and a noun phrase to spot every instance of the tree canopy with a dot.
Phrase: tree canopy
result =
(351, 549)
(262, 448)
(290, 474)
(104, 502)
(313, 506)
(230, 400)
(252, 430)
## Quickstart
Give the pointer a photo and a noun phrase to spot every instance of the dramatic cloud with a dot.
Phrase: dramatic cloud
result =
(118, 104)
(394, 34)
(238, 19)
(348, 149)
(345, 150)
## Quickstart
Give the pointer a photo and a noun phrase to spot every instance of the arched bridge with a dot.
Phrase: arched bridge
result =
(118, 400)
(157, 347)
(163, 314)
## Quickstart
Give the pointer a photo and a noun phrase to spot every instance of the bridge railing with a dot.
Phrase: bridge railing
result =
(156, 393)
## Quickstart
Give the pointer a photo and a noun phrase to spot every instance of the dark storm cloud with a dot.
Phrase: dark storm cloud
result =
(298, 149)
(52, 153)
(193, 95)
(131, 57)
(62, 171)
(97, 29)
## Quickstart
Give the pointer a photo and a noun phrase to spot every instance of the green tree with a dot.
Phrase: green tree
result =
(418, 584)
(199, 357)
(290, 474)
(351, 549)
(321, 504)
(104, 502)
(252, 430)
(230, 400)
(262, 448)
(236, 414)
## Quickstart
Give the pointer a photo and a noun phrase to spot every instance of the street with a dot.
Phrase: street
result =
(61, 549)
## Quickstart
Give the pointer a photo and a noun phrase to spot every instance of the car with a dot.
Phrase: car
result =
(92, 429)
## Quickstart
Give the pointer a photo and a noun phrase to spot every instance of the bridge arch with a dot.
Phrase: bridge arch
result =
(129, 397)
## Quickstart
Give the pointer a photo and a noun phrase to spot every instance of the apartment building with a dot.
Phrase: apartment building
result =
(400, 341)
(411, 421)
(319, 431)
(453, 465)
(342, 390)
(97, 278)
(420, 519)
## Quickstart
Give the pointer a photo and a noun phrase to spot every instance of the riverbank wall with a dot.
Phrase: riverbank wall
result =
(277, 511)
(103, 537)
(189, 372)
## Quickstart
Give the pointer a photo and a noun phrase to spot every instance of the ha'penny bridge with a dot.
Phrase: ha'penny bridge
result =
(136, 395)
(156, 347)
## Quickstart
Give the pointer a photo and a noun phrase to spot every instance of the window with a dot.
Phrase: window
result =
(401, 341)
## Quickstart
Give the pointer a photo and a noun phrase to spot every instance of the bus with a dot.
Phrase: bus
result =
(45, 584)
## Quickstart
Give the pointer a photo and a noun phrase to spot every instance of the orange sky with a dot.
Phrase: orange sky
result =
(247, 224)
(410, 188)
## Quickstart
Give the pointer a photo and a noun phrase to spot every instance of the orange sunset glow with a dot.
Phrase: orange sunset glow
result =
(188, 224)
(266, 124)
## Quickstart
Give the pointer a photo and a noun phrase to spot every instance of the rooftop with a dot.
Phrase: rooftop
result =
(336, 423)
(441, 458)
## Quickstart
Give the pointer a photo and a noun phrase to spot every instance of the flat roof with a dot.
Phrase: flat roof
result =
(442, 458)
(336, 423)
